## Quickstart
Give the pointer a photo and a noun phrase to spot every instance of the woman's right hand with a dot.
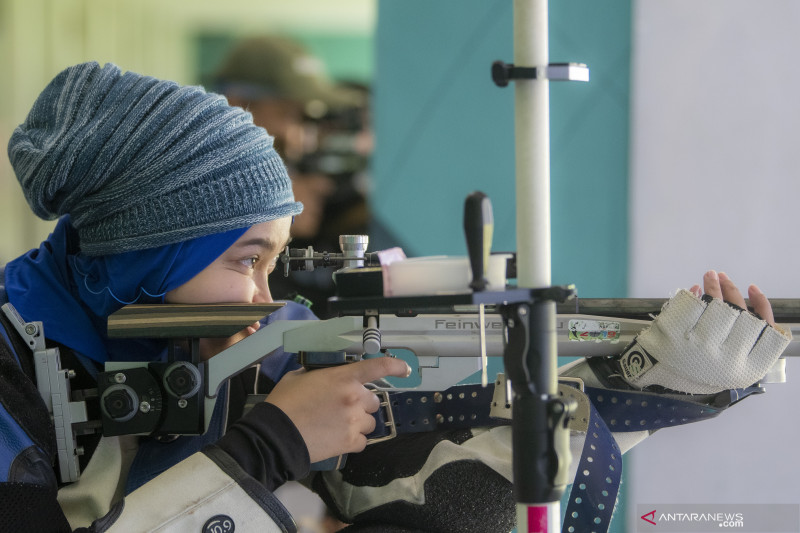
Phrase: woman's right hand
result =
(331, 407)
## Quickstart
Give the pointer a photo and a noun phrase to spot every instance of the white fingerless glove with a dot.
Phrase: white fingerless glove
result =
(702, 346)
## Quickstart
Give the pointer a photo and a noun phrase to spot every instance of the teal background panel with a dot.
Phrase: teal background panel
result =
(443, 129)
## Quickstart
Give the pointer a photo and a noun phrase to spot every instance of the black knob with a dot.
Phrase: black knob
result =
(501, 73)
(119, 403)
(182, 380)
(478, 227)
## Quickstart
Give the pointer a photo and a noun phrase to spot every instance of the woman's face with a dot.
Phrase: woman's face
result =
(239, 275)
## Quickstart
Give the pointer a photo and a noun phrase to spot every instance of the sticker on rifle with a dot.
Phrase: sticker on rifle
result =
(594, 330)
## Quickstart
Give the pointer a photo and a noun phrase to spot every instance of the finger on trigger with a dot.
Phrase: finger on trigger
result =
(761, 304)
(379, 367)
(711, 284)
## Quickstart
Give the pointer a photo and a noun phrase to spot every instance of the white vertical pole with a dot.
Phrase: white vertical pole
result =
(532, 134)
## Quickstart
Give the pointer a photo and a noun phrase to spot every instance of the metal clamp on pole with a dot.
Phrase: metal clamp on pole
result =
(502, 72)
(540, 415)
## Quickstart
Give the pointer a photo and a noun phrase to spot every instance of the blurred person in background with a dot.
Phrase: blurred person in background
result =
(321, 130)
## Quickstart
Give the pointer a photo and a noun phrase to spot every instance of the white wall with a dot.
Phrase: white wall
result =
(716, 184)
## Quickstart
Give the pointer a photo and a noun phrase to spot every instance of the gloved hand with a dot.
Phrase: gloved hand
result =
(702, 342)
(702, 346)
(445, 481)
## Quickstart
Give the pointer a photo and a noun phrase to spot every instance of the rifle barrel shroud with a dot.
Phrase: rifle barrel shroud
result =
(786, 310)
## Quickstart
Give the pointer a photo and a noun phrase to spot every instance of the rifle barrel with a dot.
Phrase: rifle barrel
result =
(786, 310)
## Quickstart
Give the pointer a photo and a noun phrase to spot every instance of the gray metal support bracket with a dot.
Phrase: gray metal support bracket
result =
(53, 384)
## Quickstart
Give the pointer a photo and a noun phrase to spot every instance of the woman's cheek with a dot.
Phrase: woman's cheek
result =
(241, 293)
(233, 290)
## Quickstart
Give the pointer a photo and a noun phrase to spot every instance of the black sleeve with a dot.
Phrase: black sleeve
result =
(268, 446)
(28, 507)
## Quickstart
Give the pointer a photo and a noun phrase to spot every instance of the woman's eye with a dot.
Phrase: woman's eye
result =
(250, 262)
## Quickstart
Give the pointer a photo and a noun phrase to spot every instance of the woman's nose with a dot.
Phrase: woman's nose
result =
(262, 294)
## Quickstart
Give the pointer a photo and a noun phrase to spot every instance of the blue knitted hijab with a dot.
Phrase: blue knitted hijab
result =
(150, 180)
(73, 294)
(139, 162)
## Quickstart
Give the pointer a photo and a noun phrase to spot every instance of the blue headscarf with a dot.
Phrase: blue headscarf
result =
(73, 294)
(139, 162)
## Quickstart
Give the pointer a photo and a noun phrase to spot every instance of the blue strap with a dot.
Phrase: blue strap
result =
(637, 410)
(460, 406)
(594, 491)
